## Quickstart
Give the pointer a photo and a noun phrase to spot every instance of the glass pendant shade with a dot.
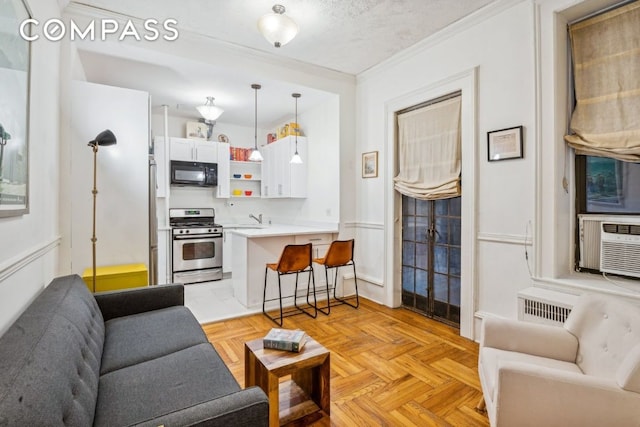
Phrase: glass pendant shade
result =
(296, 159)
(210, 111)
(255, 154)
(277, 28)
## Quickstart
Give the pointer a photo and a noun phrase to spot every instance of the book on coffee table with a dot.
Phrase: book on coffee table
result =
(285, 339)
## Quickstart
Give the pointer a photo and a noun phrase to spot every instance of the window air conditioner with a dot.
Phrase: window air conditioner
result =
(620, 247)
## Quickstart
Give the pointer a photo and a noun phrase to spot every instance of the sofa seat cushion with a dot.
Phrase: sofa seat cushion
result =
(491, 358)
(130, 340)
(162, 386)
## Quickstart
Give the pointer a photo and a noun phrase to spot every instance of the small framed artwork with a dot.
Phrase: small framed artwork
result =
(370, 164)
(196, 130)
(505, 144)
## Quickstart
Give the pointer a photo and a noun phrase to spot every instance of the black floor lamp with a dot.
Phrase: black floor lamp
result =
(104, 139)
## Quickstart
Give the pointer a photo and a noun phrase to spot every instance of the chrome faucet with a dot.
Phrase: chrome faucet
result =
(258, 218)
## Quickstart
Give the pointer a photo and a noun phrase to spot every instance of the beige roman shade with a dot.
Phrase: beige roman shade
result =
(429, 151)
(606, 68)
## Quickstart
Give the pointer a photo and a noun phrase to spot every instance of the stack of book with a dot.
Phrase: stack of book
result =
(285, 339)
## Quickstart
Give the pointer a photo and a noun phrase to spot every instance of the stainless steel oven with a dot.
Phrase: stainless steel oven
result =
(196, 245)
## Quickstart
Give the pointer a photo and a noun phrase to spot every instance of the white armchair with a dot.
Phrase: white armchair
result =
(586, 373)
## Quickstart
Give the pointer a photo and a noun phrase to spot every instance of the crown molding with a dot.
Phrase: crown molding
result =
(452, 30)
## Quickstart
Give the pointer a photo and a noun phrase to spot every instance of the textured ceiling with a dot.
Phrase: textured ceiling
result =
(346, 36)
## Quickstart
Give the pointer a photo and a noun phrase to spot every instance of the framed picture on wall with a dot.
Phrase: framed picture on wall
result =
(370, 164)
(196, 130)
(505, 144)
(15, 68)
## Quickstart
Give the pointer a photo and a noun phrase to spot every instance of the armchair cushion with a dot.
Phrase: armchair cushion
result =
(494, 360)
(628, 375)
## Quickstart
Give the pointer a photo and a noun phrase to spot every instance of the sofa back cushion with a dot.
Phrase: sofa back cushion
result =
(50, 358)
(607, 329)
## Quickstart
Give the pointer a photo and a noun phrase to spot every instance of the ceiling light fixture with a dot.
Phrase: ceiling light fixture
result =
(296, 159)
(277, 28)
(210, 111)
(255, 154)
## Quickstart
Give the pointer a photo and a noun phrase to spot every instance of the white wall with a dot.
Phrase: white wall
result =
(122, 220)
(29, 243)
(500, 43)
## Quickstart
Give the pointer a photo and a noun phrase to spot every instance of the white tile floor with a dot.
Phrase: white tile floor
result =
(213, 301)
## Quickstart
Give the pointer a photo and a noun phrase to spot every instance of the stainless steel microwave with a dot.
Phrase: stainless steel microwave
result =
(194, 173)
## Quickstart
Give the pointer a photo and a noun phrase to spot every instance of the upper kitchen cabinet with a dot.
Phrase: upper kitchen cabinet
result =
(280, 178)
(191, 150)
(224, 162)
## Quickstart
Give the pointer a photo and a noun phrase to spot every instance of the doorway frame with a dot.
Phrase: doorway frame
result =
(466, 82)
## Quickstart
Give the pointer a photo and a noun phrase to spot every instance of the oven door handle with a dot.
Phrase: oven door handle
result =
(197, 236)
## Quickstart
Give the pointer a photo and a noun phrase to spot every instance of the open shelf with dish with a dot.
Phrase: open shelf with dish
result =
(246, 178)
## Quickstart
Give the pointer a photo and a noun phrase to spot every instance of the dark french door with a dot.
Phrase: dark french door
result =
(431, 233)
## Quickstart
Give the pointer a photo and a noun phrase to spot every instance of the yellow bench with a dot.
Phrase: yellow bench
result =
(114, 277)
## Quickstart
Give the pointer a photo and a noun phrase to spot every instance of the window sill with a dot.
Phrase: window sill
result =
(578, 283)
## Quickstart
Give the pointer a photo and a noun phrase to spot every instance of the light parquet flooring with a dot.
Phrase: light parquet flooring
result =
(389, 367)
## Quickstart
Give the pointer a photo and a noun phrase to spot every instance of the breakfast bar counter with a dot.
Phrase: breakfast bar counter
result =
(255, 246)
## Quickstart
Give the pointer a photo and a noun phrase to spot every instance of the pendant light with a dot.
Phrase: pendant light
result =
(255, 154)
(210, 111)
(277, 28)
(296, 159)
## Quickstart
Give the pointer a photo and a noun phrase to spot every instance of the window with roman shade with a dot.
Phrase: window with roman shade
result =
(606, 70)
(429, 151)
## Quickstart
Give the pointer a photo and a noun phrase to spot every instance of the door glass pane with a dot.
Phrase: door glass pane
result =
(422, 207)
(408, 228)
(408, 253)
(422, 226)
(442, 231)
(421, 255)
(441, 260)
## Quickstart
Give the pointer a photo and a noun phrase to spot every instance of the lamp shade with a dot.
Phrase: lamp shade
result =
(277, 28)
(210, 111)
(104, 138)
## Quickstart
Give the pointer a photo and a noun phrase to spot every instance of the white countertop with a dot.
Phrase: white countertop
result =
(274, 230)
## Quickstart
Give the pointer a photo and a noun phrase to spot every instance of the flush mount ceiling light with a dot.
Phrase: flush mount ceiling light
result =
(255, 154)
(277, 28)
(210, 111)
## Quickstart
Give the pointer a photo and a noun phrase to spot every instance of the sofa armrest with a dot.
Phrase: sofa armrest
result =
(628, 374)
(139, 300)
(245, 408)
(533, 395)
(531, 338)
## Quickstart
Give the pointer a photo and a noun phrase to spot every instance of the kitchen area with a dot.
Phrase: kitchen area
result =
(222, 217)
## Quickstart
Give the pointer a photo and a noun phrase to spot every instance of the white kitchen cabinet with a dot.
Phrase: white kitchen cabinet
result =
(191, 150)
(224, 185)
(280, 178)
(227, 251)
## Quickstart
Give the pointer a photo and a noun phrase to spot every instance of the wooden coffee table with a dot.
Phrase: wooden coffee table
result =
(300, 398)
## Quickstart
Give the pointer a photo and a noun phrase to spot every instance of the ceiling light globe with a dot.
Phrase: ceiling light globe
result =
(277, 28)
(210, 111)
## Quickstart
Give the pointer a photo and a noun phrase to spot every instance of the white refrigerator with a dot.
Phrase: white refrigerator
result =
(123, 226)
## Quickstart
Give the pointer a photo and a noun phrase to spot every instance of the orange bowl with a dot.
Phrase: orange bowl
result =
(247, 176)
(248, 193)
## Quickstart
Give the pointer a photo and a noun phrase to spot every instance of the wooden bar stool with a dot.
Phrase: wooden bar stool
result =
(295, 259)
(340, 254)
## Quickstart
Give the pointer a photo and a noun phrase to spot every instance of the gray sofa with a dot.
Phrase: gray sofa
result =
(135, 357)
